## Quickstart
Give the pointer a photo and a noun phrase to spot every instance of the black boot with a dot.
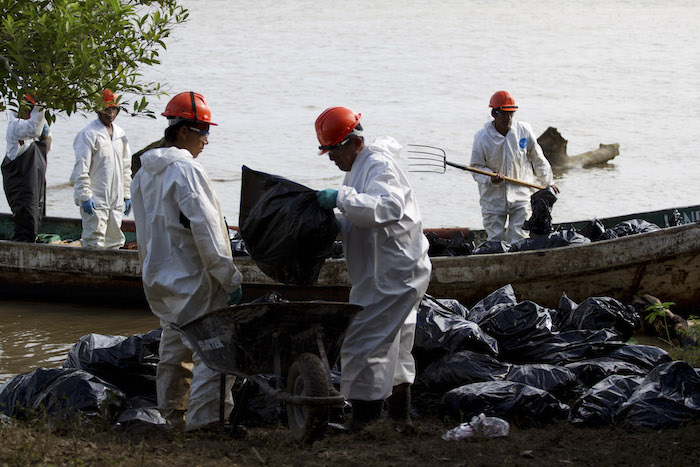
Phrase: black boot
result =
(399, 407)
(363, 414)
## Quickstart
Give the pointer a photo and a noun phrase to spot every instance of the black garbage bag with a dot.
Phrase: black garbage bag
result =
(630, 227)
(253, 405)
(644, 356)
(554, 379)
(127, 363)
(593, 230)
(492, 246)
(515, 402)
(238, 247)
(553, 240)
(286, 232)
(594, 370)
(569, 346)
(451, 371)
(441, 328)
(668, 396)
(598, 405)
(565, 307)
(603, 313)
(495, 301)
(511, 326)
(456, 245)
(540, 223)
(60, 393)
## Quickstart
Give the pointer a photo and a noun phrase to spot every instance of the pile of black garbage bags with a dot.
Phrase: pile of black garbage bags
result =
(518, 361)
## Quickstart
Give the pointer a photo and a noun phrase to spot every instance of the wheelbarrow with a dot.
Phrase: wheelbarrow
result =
(298, 340)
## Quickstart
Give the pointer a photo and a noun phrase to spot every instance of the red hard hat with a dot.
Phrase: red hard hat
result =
(30, 97)
(502, 100)
(109, 98)
(334, 124)
(189, 106)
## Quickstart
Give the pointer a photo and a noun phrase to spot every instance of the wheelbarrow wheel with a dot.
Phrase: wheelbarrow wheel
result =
(307, 377)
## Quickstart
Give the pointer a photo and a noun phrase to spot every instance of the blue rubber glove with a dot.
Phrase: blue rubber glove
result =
(127, 206)
(235, 296)
(89, 207)
(328, 198)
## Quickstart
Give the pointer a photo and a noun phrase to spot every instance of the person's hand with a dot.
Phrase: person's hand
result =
(498, 178)
(127, 206)
(89, 207)
(235, 296)
(328, 198)
(555, 188)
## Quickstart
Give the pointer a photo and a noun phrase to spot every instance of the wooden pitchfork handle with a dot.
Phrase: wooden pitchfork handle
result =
(493, 174)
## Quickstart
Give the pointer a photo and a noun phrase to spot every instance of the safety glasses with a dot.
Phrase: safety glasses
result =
(335, 146)
(199, 131)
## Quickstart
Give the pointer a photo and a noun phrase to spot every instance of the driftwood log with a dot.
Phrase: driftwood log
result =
(678, 327)
(554, 148)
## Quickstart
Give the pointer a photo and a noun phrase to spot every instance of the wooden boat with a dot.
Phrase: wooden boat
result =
(663, 263)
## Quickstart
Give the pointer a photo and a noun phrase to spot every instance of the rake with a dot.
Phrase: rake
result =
(434, 159)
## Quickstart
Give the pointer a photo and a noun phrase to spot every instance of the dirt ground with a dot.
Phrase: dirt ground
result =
(557, 444)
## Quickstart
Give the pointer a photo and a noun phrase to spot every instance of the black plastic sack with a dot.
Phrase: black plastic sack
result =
(512, 326)
(496, 300)
(644, 356)
(456, 245)
(593, 230)
(286, 232)
(441, 328)
(603, 313)
(630, 227)
(594, 370)
(569, 346)
(668, 396)
(551, 378)
(127, 363)
(553, 240)
(540, 223)
(61, 393)
(492, 246)
(452, 371)
(518, 403)
(598, 405)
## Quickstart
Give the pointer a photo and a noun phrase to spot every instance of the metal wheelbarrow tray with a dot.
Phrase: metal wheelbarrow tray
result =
(298, 340)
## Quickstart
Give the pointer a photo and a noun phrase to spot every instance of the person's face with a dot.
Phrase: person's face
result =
(344, 154)
(503, 121)
(108, 115)
(194, 137)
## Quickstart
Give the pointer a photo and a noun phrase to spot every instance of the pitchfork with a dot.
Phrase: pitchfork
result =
(434, 159)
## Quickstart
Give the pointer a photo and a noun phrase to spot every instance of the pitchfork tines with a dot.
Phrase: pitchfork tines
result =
(429, 159)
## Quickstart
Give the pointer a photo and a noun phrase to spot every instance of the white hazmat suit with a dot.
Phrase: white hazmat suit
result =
(387, 259)
(516, 155)
(187, 270)
(102, 172)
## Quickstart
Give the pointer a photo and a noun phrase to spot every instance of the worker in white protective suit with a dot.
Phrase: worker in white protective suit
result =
(24, 168)
(508, 148)
(102, 177)
(187, 264)
(387, 259)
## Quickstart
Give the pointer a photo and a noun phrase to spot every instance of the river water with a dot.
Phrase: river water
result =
(600, 71)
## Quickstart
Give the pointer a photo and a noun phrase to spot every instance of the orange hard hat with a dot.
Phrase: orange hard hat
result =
(109, 98)
(30, 97)
(333, 125)
(188, 105)
(502, 100)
